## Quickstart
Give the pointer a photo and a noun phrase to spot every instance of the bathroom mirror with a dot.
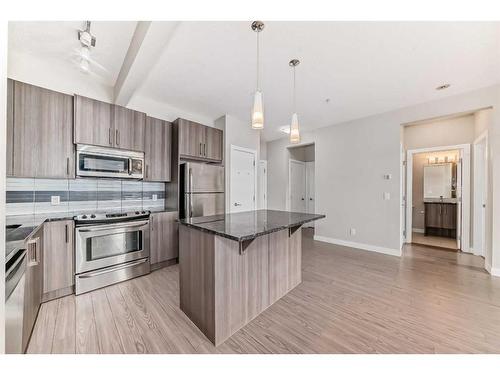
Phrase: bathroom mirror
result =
(438, 180)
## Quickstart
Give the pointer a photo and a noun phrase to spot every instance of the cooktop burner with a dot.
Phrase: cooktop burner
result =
(110, 217)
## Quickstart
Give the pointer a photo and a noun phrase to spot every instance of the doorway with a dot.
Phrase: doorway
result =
(438, 197)
(243, 179)
(301, 179)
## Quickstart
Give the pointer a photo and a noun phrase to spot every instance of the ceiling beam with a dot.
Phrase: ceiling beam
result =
(148, 43)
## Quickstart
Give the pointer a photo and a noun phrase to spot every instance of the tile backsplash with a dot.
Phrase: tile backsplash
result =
(34, 195)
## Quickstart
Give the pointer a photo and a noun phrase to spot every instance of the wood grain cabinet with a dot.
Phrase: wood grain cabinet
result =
(93, 122)
(199, 141)
(164, 237)
(441, 219)
(58, 263)
(103, 124)
(157, 150)
(128, 126)
(10, 129)
(40, 132)
(33, 284)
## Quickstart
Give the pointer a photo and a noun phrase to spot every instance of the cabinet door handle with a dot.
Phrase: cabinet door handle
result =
(152, 226)
(205, 149)
(117, 136)
(66, 234)
(201, 153)
(110, 136)
(67, 166)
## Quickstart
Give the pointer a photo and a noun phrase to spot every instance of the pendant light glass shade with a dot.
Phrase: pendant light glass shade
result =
(257, 111)
(294, 129)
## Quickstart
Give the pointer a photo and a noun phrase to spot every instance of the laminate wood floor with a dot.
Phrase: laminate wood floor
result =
(350, 301)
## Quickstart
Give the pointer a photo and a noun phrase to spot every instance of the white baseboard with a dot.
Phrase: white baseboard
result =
(495, 271)
(361, 246)
(418, 230)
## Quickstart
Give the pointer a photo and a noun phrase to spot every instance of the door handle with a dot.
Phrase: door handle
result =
(237, 204)
(201, 153)
(117, 136)
(301, 199)
(66, 235)
(67, 166)
(204, 149)
(110, 136)
(112, 269)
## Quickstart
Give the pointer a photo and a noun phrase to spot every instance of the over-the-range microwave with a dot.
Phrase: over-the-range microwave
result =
(96, 161)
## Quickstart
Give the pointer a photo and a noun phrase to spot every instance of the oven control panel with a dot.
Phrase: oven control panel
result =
(110, 217)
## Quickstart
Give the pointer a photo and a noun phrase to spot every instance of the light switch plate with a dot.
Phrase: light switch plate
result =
(387, 196)
(55, 200)
(155, 197)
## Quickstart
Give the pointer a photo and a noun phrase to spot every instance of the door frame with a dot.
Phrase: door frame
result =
(254, 153)
(259, 192)
(465, 155)
(483, 137)
(290, 161)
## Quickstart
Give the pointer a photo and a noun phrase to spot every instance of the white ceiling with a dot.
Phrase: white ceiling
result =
(57, 41)
(364, 68)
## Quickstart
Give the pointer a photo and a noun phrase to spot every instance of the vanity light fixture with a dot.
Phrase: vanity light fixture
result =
(258, 109)
(294, 125)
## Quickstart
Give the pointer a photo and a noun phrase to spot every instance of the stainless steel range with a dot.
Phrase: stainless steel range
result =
(110, 248)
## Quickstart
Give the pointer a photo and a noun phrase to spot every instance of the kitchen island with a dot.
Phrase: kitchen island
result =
(234, 266)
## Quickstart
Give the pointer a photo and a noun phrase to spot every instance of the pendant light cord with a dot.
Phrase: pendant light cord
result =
(294, 92)
(258, 63)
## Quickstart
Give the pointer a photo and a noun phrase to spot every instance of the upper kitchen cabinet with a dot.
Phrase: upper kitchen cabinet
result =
(10, 128)
(198, 141)
(40, 132)
(157, 149)
(128, 127)
(213, 143)
(102, 124)
(93, 122)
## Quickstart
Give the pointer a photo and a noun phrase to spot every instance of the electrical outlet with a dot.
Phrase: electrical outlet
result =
(155, 197)
(55, 200)
(352, 231)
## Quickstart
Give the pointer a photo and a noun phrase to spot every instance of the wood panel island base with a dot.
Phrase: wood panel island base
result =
(234, 266)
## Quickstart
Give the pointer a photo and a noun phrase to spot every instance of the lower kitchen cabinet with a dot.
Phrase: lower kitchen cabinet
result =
(33, 284)
(164, 237)
(58, 263)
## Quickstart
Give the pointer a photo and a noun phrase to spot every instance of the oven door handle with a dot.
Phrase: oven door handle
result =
(112, 269)
(98, 228)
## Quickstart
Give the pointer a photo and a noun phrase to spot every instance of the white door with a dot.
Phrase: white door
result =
(297, 186)
(459, 203)
(403, 197)
(262, 201)
(242, 183)
(478, 235)
(310, 192)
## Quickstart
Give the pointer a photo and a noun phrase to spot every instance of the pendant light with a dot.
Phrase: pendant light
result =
(258, 110)
(294, 125)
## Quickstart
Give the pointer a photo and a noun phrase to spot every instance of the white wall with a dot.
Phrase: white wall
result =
(351, 159)
(445, 132)
(241, 134)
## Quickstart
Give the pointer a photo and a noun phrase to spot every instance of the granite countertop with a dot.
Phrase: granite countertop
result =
(243, 226)
(19, 228)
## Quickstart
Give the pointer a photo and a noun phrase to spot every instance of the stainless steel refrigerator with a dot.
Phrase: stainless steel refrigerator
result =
(202, 190)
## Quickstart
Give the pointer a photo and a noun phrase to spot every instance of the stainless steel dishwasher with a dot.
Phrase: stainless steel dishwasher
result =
(14, 302)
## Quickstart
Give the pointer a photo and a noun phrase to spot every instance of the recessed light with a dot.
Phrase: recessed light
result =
(442, 87)
(285, 129)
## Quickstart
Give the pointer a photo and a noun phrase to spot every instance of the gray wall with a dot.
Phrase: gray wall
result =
(351, 159)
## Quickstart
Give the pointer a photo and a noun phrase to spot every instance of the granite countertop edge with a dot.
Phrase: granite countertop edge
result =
(253, 235)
